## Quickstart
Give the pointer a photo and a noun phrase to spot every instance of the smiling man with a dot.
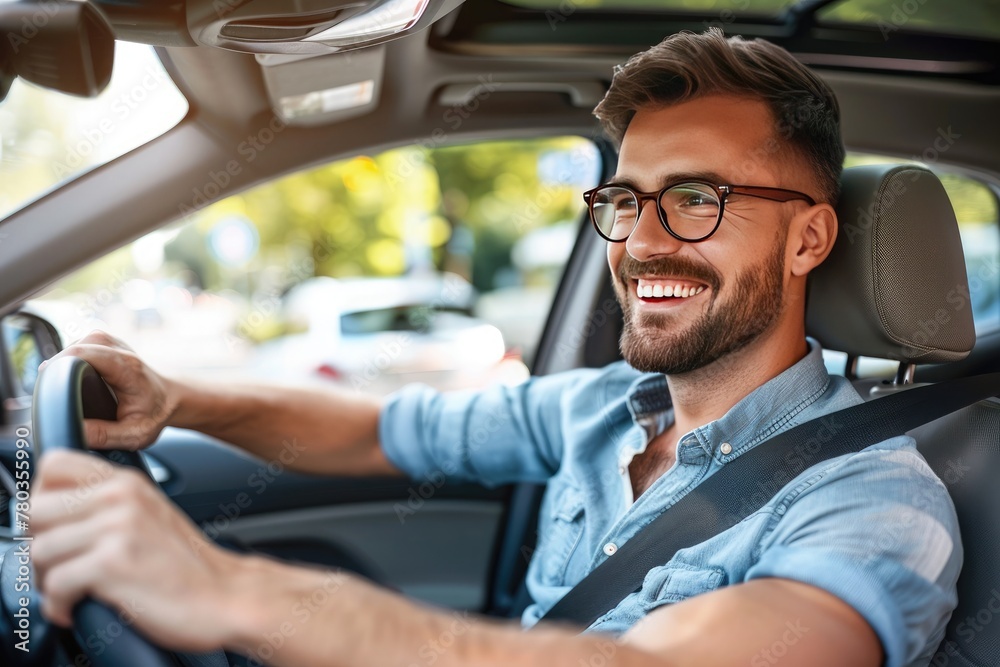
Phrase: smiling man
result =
(721, 206)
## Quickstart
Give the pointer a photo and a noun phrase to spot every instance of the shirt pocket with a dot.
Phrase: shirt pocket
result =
(675, 582)
(565, 531)
(661, 586)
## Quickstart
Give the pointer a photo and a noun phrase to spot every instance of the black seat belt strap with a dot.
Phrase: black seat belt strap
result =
(733, 492)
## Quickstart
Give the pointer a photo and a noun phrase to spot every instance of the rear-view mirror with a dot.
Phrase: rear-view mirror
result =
(65, 46)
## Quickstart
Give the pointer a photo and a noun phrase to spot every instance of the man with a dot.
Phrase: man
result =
(730, 159)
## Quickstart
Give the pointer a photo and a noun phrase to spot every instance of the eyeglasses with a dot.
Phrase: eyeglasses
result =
(690, 211)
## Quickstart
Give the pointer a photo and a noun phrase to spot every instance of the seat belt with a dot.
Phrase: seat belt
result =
(734, 492)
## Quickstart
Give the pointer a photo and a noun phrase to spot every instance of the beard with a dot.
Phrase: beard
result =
(655, 343)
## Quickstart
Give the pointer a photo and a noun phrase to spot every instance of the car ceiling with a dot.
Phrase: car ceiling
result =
(524, 78)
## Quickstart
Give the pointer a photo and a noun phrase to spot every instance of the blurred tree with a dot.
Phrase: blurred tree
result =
(956, 17)
(387, 214)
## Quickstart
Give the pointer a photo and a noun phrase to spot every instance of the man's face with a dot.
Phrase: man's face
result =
(734, 281)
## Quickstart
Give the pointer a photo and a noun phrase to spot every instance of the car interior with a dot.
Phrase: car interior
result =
(918, 89)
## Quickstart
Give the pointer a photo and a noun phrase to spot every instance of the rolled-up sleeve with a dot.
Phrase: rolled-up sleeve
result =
(878, 530)
(494, 436)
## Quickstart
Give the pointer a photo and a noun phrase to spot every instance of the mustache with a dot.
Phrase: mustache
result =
(630, 267)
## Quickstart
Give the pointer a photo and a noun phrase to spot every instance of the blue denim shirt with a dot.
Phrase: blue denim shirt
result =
(876, 528)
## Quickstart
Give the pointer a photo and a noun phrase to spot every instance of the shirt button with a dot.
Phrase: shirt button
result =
(621, 470)
(726, 448)
(610, 548)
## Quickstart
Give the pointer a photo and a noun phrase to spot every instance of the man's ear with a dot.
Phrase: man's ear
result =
(811, 235)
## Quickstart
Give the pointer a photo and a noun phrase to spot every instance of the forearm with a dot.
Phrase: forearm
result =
(326, 431)
(293, 616)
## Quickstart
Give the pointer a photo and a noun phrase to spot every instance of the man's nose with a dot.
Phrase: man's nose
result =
(649, 239)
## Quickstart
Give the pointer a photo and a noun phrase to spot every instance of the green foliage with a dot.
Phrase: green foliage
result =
(23, 352)
(958, 17)
(397, 211)
(740, 6)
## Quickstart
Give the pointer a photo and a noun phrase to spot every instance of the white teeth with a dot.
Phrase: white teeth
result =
(660, 291)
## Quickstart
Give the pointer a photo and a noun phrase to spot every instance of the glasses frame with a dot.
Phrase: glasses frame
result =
(781, 195)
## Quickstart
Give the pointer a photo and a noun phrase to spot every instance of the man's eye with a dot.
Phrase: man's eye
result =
(694, 199)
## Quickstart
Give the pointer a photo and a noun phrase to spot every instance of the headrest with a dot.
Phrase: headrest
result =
(894, 285)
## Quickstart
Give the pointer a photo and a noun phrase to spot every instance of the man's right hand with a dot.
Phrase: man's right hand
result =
(146, 400)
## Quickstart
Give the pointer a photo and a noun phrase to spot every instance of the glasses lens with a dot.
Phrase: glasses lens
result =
(692, 209)
(614, 212)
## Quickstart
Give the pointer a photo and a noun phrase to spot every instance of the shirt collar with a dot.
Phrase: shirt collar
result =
(757, 416)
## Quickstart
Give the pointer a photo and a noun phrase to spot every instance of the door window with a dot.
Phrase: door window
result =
(417, 264)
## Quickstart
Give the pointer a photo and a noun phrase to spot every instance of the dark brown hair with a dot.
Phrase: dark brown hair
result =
(687, 65)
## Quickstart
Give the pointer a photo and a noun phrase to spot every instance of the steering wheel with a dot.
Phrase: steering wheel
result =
(67, 390)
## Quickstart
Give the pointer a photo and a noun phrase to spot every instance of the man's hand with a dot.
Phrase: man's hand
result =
(332, 430)
(107, 532)
(146, 400)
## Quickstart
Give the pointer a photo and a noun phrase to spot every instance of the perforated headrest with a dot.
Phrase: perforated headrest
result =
(895, 285)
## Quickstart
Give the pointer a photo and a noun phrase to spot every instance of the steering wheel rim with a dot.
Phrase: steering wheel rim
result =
(67, 390)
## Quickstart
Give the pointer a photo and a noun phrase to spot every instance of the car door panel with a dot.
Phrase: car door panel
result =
(434, 543)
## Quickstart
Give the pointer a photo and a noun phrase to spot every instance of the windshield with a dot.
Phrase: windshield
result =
(48, 138)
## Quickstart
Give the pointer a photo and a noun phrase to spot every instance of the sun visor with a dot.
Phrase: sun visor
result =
(309, 91)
